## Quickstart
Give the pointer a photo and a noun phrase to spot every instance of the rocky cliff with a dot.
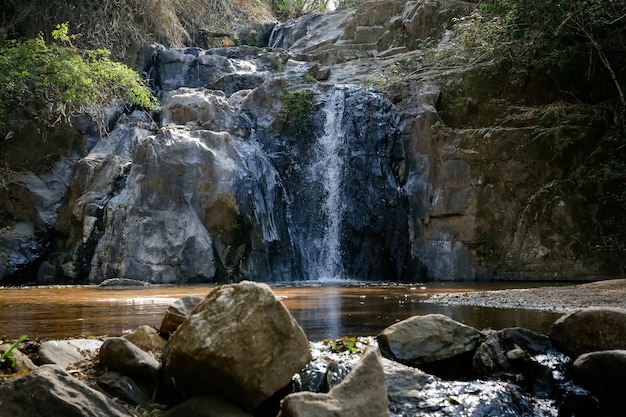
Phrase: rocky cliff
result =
(406, 165)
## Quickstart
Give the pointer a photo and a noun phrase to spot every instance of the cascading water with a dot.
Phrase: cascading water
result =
(326, 168)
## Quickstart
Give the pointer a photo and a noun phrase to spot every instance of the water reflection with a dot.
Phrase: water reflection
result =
(323, 311)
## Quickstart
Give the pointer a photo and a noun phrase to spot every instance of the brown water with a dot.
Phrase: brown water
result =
(322, 311)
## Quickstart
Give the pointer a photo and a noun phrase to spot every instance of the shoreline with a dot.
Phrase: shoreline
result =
(558, 299)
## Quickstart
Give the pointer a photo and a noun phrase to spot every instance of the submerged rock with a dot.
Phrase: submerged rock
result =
(240, 343)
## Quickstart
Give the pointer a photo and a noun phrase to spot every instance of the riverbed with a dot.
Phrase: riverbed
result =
(327, 310)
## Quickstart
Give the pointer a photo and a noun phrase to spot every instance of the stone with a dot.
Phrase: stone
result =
(589, 329)
(176, 313)
(490, 359)
(119, 354)
(426, 339)
(362, 393)
(241, 343)
(604, 374)
(51, 392)
(67, 352)
(123, 387)
(146, 338)
(22, 362)
(204, 406)
(530, 341)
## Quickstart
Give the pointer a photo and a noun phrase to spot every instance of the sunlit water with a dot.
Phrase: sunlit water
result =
(323, 311)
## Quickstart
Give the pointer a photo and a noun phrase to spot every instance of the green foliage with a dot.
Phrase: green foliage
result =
(346, 344)
(7, 355)
(296, 111)
(50, 83)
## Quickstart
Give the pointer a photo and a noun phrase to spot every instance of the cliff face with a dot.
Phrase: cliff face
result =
(439, 165)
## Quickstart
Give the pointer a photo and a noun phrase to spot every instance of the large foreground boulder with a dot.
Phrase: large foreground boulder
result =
(425, 339)
(604, 374)
(240, 343)
(590, 329)
(363, 393)
(51, 392)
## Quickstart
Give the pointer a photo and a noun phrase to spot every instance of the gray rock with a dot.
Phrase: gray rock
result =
(240, 343)
(66, 352)
(363, 392)
(198, 108)
(51, 392)
(589, 329)
(202, 406)
(490, 359)
(604, 374)
(533, 343)
(146, 338)
(123, 387)
(119, 354)
(426, 339)
(22, 361)
(178, 312)
(122, 282)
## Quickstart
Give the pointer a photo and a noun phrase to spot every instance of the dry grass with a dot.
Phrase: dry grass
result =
(123, 26)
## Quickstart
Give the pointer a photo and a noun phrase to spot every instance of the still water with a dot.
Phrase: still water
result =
(323, 311)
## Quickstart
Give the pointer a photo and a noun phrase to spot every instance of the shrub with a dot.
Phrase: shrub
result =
(296, 111)
(49, 83)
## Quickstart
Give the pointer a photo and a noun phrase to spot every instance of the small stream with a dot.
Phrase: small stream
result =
(323, 311)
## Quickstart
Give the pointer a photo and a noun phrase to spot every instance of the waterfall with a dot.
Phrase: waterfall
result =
(323, 257)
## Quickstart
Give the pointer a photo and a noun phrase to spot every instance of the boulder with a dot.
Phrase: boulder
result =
(589, 329)
(241, 343)
(202, 406)
(66, 352)
(604, 374)
(425, 339)
(51, 392)
(176, 313)
(146, 338)
(362, 393)
(119, 354)
(123, 387)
